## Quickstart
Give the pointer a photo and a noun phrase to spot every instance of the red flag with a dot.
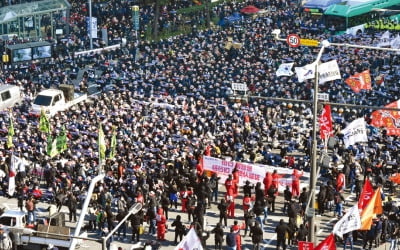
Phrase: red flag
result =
(325, 123)
(387, 118)
(366, 195)
(327, 244)
(359, 81)
(373, 208)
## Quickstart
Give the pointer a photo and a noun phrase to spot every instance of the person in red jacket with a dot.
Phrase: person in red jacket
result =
(184, 194)
(161, 224)
(275, 179)
(235, 174)
(267, 182)
(229, 185)
(340, 182)
(296, 182)
(236, 229)
(247, 204)
(231, 204)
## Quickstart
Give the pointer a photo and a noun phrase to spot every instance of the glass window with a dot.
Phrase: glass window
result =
(5, 95)
(6, 221)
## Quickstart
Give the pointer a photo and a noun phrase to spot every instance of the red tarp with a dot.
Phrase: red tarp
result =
(250, 10)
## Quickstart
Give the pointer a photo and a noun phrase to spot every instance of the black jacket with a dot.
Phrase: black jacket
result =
(257, 234)
(281, 230)
(219, 234)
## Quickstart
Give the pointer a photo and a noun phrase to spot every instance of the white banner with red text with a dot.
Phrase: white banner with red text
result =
(251, 172)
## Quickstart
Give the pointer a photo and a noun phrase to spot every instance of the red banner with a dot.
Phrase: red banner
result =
(359, 81)
(366, 194)
(387, 118)
(304, 245)
(327, 244)
(325, 123)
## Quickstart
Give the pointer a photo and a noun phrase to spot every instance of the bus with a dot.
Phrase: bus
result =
(350, 17)
(315, 8)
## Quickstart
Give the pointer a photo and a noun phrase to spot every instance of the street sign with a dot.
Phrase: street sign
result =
(323, 97)
(239, 86)
(309, 42)
(310, 212)
(293, 40)
(304, 245)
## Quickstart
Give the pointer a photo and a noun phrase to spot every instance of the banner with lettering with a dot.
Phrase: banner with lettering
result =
(250, 172)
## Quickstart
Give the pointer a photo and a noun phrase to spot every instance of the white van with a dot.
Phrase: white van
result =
(9, 96)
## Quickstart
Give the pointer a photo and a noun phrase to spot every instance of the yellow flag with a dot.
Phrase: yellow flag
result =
(374, 207)
(102, 144)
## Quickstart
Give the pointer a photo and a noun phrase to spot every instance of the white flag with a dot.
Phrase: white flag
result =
(285, 69)
(190, 242)
(305, 72)
(395, 43)
(386, 35)
(15, 161)
(355, 132)
(349, 222)
(328, 71)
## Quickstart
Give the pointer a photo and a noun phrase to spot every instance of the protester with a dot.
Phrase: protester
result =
(281, 230)
(219, 235)
(180, 229)
(192, 75)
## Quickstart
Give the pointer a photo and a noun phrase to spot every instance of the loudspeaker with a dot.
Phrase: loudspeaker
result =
(325, 161)
(68, 91)
(331, 142)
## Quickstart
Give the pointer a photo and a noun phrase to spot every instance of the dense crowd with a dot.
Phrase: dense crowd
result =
(171, 103)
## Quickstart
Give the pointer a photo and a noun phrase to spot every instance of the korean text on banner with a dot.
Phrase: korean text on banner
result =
(355, 132)
(251, 172)
(328, 71)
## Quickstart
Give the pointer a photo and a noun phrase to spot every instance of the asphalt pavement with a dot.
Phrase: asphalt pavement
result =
(324, 227)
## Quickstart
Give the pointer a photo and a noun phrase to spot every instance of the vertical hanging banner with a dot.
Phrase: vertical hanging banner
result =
(325, 123)
(91, 26)
(135, 17)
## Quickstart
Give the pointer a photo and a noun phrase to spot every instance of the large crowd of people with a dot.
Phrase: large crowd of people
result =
(171, 102)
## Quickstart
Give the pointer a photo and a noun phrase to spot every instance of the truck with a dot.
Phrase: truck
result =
(17, 234)
(54, 100)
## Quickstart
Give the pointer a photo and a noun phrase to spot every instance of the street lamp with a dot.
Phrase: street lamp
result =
(313, 171)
